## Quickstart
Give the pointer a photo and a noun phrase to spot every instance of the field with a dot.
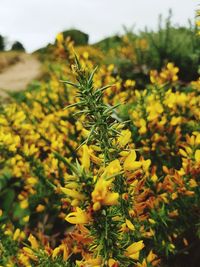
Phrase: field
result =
(100, 158)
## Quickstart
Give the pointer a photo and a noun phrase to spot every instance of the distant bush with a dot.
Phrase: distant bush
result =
(2, 43)
(135, 54)
(178, 45)
(17, 46)
(79, 37)
(109, 43)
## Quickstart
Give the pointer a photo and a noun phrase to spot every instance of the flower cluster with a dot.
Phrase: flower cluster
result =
(95, 172)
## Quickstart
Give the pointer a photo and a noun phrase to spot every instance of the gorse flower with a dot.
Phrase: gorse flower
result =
(130, 163)
(102, 194)
(133, 250)
(78, 217)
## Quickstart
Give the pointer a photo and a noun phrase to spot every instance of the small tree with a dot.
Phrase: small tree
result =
(17, 46)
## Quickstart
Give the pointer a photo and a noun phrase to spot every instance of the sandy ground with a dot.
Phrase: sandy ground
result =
(19, 75)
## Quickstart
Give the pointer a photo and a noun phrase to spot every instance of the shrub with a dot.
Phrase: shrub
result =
(78, 37)
(17, 46)
(2, 43)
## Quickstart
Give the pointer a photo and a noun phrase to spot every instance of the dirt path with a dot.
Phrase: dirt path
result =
(19, 75)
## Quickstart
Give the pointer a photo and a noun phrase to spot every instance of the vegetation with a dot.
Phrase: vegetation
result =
(17, 46)
(8, 58)
(78, 37)
(100, 166)
(2, 43)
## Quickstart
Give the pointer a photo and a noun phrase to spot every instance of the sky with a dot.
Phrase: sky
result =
(36, 22)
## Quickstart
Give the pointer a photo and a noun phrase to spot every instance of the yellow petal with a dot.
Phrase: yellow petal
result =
(33, 241)
(130, 164)
(124, 138)
(16, 234)
(77, 217)
(86, 158)
(151, 256)
(72, 193)
(130, 225)
(197, 155)
(56, 251)
(111, 262)
(183, 153)
(111, 199)
(135, 256)
(113, 168)
(146, 164)
(133, 250)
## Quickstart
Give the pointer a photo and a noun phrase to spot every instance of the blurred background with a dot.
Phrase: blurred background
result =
(35, 23)
(135, 36)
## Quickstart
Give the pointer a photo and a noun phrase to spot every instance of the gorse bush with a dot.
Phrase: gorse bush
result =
(95, 172)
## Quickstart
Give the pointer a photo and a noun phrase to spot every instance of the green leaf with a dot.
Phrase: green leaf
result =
(8, 198)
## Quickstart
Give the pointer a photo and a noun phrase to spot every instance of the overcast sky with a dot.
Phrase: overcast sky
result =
(36, 22)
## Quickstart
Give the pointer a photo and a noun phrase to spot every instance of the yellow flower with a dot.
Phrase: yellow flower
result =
(65, 250)
(86, 158)
(16, 234)
(193, 183)
(33, 241)
(146, 164)
(133, 251)
(85, 55)
(142, 125)
(197, 155)
(124, 138)
(127, 226)
(111, 67)
(152, 221)
(56, 251)
(60, 38)
(40, 208)
(183, 153)
(175, 120)
(90, 262)
(112, 263)
(24, 204)
(151, 258)
(130, 225)
(29, 252)
(29, 150)
(102, 194)
(24, 259)
(155, 109)
(130, 163)
(113, 168)
(129, 83)
(26, 218)
(78, 217)
(72, 193)
(198, 23)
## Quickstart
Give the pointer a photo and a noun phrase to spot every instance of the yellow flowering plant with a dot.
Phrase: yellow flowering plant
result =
(85, 181)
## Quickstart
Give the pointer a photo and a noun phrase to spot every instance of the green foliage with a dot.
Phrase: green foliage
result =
(174, 44)
(17, 46)
(170, 44)
(2, 43)
(109, 43)
(79, 37)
